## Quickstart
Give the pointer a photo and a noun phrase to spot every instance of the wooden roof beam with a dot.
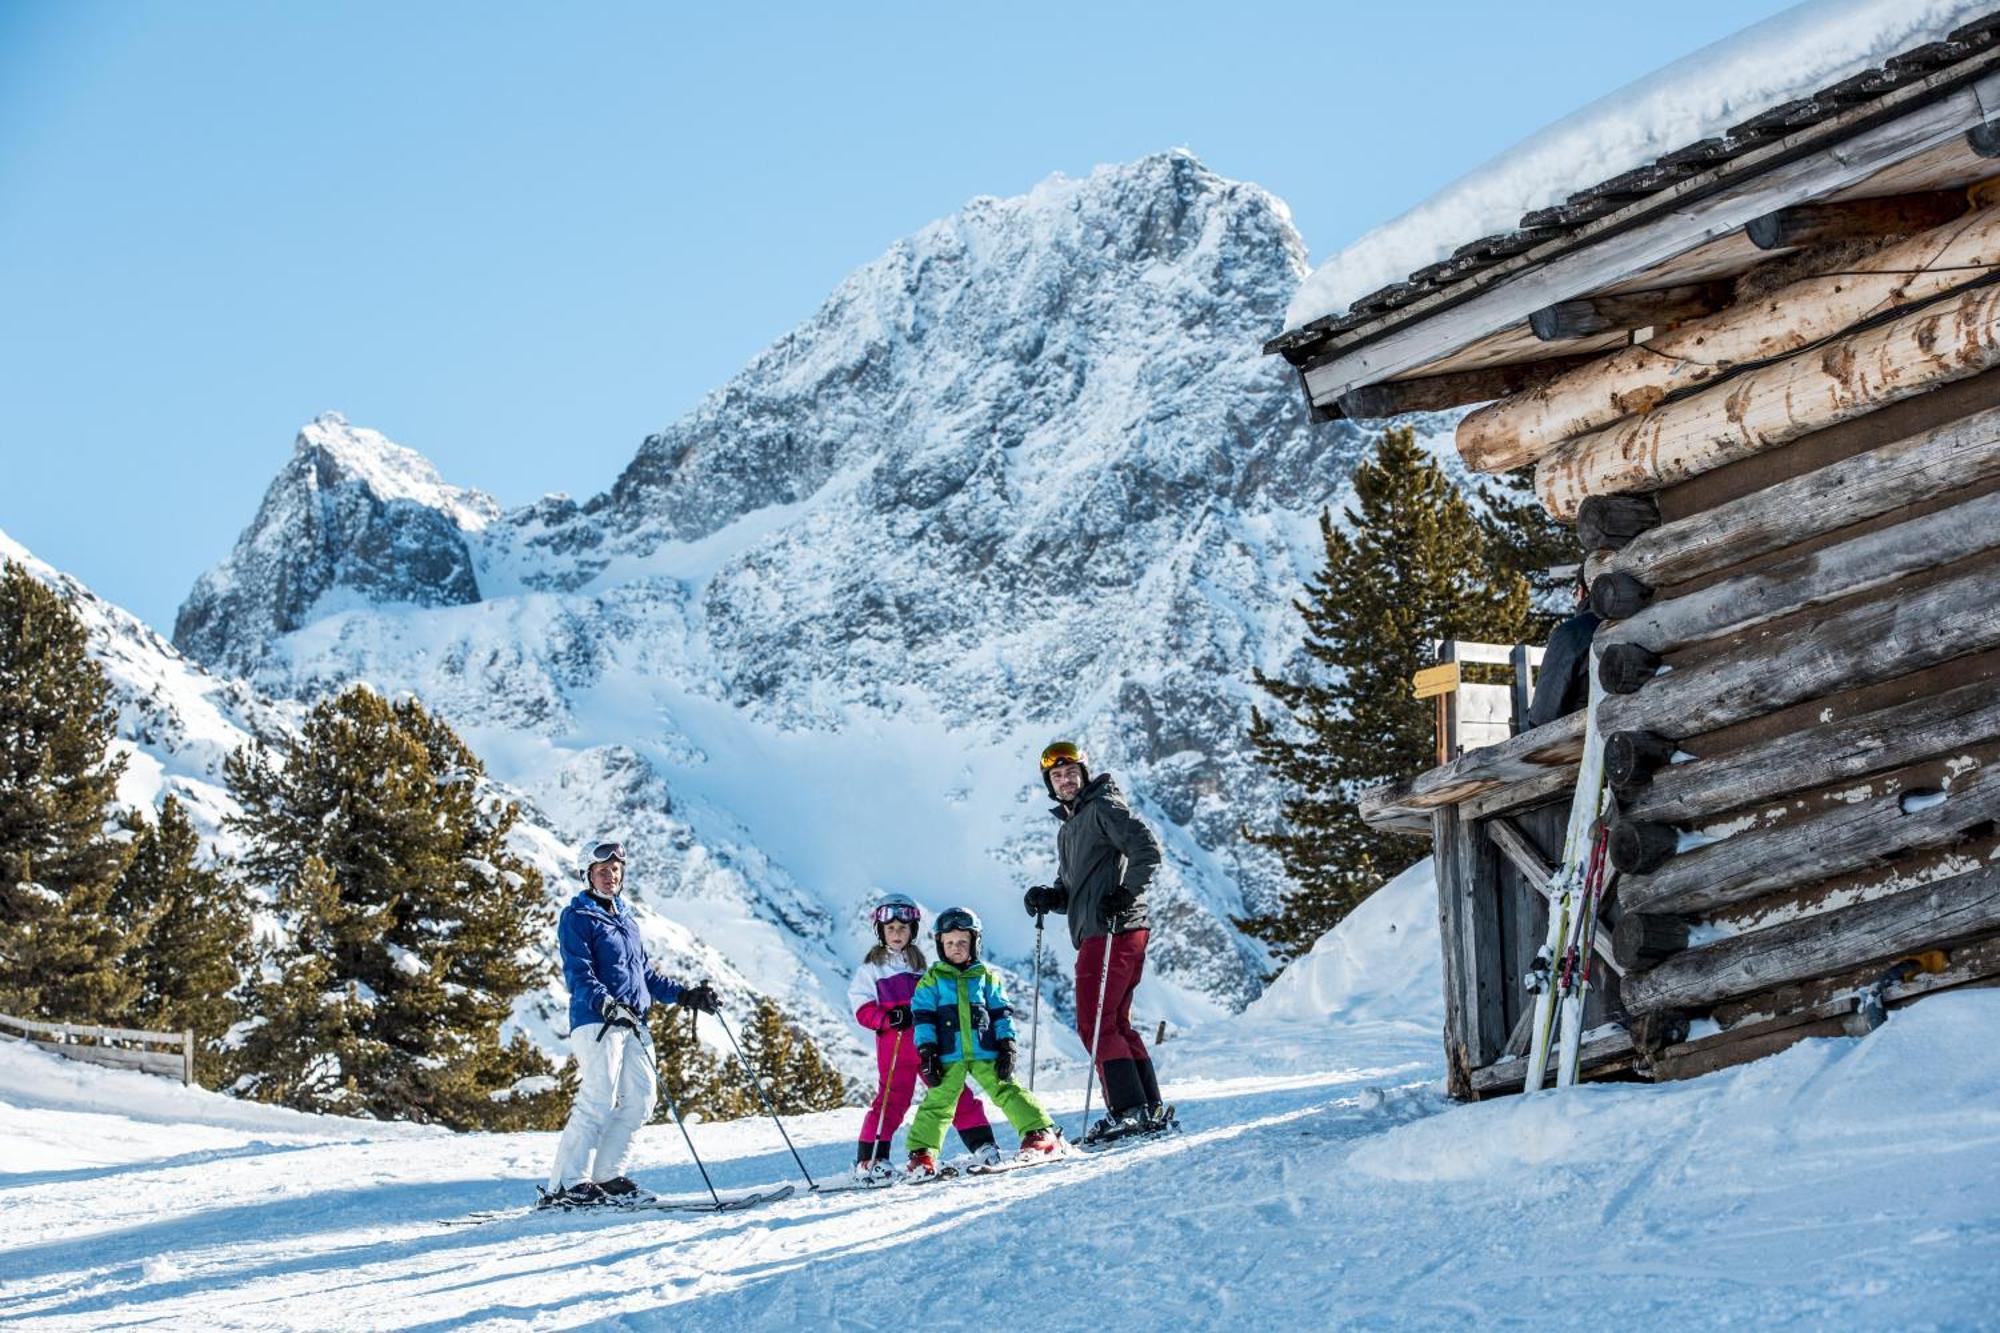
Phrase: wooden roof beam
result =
(1855, 219)
(1431, 393)
(1621, 312)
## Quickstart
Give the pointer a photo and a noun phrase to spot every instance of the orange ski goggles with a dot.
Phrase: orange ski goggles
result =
(1063, 752)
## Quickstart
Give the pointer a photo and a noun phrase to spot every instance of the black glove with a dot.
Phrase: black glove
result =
(897, 1016)
(1044, 898)
(1003, 1058)
(617, 1014)
(1117, 900)
(930, 1064)
(702, 999)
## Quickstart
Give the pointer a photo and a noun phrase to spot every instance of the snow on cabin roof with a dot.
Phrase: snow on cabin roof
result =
(1765, 82)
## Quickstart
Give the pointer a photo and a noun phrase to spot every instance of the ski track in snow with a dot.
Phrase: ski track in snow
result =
(1323, 1179)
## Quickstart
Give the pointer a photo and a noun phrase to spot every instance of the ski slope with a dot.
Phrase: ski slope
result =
(1323, 1181)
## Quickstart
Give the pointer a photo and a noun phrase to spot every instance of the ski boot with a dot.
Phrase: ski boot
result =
(1117, 1125)
(922, 1166)
(1160, 1118)
(583, 1194)
(874, 1171)
(1040, 1144)
(986, 1154)
(621, 1190)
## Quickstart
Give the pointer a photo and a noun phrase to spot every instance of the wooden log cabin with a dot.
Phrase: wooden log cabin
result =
(1761, 375)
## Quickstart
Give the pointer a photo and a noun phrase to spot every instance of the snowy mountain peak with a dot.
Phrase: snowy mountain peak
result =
(353, 519)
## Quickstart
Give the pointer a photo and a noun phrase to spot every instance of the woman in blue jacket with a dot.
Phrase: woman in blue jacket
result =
(610, 990)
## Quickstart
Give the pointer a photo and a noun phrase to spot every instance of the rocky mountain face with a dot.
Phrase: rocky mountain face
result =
(1025, 475)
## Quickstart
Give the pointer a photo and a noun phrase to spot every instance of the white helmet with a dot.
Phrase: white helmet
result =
(595, 852)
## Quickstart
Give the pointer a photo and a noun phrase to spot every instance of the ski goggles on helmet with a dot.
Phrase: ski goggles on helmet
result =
(905, 912)
(607, 851)
(1062, 752)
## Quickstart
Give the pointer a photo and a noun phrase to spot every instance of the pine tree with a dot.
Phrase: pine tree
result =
(428, 929)
(1523, 538)
(1410, 565)
(699, 1083)
(191, 930)
(60, 854)
(795, 1077)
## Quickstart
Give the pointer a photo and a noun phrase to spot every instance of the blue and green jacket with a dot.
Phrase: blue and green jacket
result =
(962, 1012)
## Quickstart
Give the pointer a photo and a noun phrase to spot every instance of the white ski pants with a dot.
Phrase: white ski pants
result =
(614, 1096)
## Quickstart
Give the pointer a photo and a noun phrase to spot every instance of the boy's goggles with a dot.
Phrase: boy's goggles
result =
(607, 851)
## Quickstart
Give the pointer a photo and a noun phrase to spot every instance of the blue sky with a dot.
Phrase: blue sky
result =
(518, 238)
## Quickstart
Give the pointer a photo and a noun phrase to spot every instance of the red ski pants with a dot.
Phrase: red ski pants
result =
(893, 1094)
(1116, 1040)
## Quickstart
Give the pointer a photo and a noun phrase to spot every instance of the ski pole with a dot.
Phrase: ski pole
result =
(668, 1093)
(1035, 1025)
(757, 1084)
(888, 1084)
(1097, 1031)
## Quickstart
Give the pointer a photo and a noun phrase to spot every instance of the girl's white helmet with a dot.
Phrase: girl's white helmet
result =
(596, 852)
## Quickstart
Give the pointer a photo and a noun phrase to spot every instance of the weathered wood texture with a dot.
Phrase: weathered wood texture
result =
(1849, 646)
(1517, 759)
(1838, 838)
(1932, 463)
(1609, 522)
(1606, 1054)
(1872, 560)
(1951, 339)
(1827, 221)
(1616, 312)
(1970, 962)
(1432, 393)
(1825, 159)
(1523, 428)
(1642, 939)
(1536, 872)
(1933, 916)
(1468, 924)
(1727, 1049)
(1828, 753)
(1514, 797)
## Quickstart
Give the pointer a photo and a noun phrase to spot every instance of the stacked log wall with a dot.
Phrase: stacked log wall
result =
(1814, 647)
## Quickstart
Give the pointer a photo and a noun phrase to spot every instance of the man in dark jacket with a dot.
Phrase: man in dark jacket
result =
(610, 989)
(1106, 857)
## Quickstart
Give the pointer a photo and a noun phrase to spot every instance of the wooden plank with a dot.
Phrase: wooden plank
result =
(1832, 752)
(1433, 393)
(1517, 759)
(117, 1057)
(1848, 937)
(82, 1030)
(1668, 223)
(1599, 1055)
(1611, 312)
(1824, 221)
(1461, 1005)
(1951, 339)
(1727, 1049)
(1537, 873)
(1875, 640)
(1892, 476)
(1831, 841)
(1871, 560)
(1970, 962)
(1514, 796)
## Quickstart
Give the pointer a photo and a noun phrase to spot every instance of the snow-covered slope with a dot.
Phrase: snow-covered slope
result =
(1025, 475)
(1322, 1181)
(1790, 55)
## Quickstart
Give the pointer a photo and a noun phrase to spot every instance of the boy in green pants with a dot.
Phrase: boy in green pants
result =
(964, 1026)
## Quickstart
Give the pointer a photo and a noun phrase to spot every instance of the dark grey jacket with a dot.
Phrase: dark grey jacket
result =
(1101, 845)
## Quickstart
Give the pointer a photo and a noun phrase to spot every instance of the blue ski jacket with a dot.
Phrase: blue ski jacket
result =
(602, 956)
(962, 1012)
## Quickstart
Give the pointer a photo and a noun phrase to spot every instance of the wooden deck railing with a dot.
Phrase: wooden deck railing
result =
(69, 1041)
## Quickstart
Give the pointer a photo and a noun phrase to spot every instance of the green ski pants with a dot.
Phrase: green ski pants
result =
(1023, 1112)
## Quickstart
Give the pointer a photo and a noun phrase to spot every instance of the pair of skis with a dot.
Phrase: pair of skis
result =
(643, 1203)
(1560, 976)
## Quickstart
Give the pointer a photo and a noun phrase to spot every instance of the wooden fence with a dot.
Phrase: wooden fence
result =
(68, 1040)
